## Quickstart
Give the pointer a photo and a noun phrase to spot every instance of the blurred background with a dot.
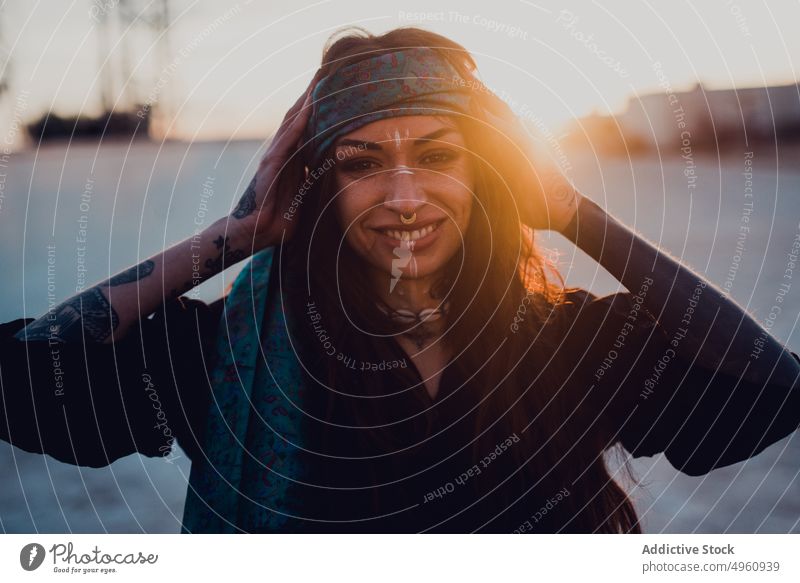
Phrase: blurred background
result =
(119, 117)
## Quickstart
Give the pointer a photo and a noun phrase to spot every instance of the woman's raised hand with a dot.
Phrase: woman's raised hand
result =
(558, 202)
(109, 309)
(552, 200)
(262, 215)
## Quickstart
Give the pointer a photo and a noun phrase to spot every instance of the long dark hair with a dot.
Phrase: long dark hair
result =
(498, 272)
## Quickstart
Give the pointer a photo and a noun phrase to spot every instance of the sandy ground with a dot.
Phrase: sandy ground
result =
(136, 204)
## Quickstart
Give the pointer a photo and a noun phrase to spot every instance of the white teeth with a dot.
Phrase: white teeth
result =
(411, 235)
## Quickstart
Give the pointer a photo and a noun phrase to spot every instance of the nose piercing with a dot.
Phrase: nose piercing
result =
(406, 220)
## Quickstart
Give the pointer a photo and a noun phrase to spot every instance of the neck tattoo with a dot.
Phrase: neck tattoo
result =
(420, 336)
(420, 324)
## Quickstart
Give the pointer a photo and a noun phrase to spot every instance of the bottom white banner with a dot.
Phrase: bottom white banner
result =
(354, 558)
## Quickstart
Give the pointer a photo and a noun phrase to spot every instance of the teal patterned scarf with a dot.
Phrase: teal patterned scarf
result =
(253, 430)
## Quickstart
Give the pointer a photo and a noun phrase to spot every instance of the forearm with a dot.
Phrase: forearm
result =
(107, 311)
(701, 321)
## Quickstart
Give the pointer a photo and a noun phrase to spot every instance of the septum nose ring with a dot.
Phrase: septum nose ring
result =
(408, 220)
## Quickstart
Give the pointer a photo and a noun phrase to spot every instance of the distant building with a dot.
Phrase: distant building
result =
(714, 118)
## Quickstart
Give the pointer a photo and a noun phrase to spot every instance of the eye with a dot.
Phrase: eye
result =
(359, 165)
(439, 157)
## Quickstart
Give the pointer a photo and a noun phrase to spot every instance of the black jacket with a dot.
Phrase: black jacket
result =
(92, 404)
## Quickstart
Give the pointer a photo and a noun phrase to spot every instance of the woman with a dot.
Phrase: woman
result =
(395, 356)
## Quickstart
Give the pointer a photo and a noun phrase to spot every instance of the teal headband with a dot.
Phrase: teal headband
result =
(408, 82)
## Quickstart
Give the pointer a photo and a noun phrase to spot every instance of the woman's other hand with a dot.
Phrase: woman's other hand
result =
(556, 202)
(551, 200)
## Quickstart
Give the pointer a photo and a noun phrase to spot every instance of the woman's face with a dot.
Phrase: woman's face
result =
(415, 166)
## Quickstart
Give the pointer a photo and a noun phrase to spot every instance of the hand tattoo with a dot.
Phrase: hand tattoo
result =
(247, 204)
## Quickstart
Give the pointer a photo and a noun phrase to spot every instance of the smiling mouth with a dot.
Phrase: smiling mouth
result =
(411, 235)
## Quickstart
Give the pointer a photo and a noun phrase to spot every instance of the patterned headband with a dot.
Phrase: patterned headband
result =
(408, 82)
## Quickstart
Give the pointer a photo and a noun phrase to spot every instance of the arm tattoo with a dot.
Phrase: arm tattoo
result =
(88, 313)
(135, 273)
(247, 204)
(226, 257)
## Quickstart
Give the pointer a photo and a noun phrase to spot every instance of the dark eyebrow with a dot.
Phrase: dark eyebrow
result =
(375, 146)
(433, 136)
(360, 144)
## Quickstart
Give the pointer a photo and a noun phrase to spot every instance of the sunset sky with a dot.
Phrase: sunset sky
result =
(231, 69)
